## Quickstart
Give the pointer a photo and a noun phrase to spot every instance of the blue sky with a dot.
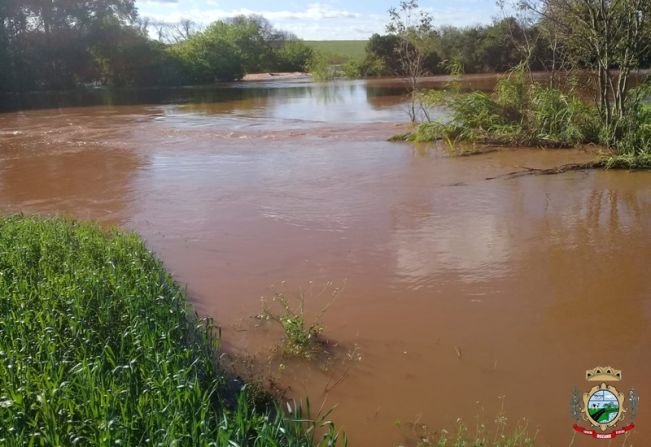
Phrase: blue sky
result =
(323, 20)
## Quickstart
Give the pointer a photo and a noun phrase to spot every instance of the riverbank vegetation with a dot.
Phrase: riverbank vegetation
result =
(599, 44)
(98, 346)
(105, 42)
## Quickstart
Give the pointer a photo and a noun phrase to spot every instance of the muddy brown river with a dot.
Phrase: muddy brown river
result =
(459, 294)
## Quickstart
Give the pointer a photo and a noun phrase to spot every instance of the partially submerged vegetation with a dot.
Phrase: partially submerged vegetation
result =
(525, 113)
(604, 41)
(519, 113)
(302, 336)
(99, 347)
(496, 433)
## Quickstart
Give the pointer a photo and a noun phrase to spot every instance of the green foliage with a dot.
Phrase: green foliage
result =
(524, 113)
(124, 56)
(498, 47)
(641, 160)
(72, 43)
(227, 50)
(99, 347)
(295, 55)
(518, 437)
(518, 113)
(633, 131)
(253, 38)
(380, 58)
(352, 70)
(497, 433)
(50, 46)
(321, 67)
(562, 118)
(301, 339)
(208, 57)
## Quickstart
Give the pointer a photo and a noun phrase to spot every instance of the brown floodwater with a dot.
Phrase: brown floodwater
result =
(458, 293)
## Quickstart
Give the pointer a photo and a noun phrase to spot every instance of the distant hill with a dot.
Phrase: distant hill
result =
(344, 49)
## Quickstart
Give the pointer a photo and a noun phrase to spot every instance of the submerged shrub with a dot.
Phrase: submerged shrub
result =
(518, 113)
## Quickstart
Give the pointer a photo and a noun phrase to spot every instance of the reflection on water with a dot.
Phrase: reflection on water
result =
(221, 97)
(458, 289)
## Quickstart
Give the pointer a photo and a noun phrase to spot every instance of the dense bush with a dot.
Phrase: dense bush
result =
(518, 113)
(294, 55)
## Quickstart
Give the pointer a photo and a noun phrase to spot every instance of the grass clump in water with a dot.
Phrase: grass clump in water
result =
(301, 338)
(99, 347)
(498, 433)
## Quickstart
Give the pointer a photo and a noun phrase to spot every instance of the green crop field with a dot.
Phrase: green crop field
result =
(346, 49)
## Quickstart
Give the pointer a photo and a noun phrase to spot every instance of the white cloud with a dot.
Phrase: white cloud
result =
(317, 21)
(314, 12)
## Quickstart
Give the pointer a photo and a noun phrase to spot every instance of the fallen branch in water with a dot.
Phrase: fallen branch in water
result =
(550, 171)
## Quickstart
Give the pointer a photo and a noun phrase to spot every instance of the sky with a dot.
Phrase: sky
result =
(324, 20)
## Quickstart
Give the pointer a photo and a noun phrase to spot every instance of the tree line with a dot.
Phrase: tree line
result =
(494, 48)
(46, 45)
(52, 45)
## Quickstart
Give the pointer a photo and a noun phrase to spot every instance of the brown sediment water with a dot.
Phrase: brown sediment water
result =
(459, 293)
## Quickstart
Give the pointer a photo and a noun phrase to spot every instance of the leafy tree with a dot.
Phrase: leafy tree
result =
(209, 56)
(124, 56)
(47, 43)
(254, 38)
(294, 55)
(380, 57)
(601, 35)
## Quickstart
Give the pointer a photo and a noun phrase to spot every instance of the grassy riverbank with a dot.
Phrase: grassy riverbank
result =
(99, 347)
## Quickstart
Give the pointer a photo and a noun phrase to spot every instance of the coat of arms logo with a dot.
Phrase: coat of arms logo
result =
(604, 408)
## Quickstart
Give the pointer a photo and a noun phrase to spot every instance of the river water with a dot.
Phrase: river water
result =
(458, 294)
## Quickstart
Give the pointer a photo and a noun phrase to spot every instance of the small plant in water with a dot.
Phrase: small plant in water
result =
(301, 338)
(499, 435)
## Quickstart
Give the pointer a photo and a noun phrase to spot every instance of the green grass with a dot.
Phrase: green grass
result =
(342, 49)
(99, 347)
